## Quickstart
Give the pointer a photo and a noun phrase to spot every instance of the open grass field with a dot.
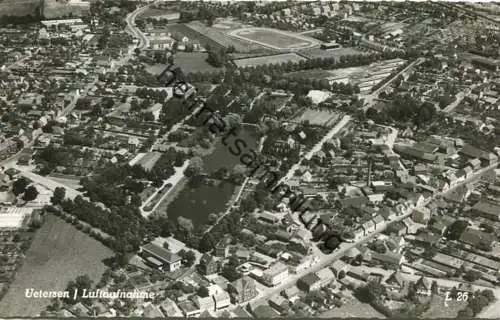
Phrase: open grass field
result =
(311, 74)
(19, 7)
(313, 53)
(59, 253)
(353, 309)
(274, 39)
(194, 62)
(439, 310)
(264, 60)
(319, 117)
(169, 14)
(58, 9)
(180, 30)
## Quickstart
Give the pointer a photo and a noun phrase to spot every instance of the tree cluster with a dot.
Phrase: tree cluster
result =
(124, 223)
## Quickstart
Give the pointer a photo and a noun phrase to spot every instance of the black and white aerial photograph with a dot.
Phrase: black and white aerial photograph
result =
(249, 159)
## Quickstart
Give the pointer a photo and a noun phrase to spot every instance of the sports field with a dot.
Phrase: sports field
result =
(59, 253)
(275, 39)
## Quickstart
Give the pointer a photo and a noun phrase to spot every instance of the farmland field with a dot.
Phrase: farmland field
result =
(273, 38)
(59, 253)
(264, 60)
(194, 62)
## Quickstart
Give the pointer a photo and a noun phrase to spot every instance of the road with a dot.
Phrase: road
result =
(327, 260)
(174, 180)
(260, 95)
(371, 98)
(458, 98)
(174, 128)
(230, 206)
(339, 126)
(49, 183)
(132, 28)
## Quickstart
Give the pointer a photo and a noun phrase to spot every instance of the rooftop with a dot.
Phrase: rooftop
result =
(165, 255)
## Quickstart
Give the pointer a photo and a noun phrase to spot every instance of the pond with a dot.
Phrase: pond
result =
(196, 203)
(221, 157)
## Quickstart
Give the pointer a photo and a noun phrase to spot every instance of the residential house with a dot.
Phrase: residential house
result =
(208, 264)
(293, 293)
(242, 289)
(189, 308)
(428, 238)
(421, 215)
(222, 250)
(477, 238)
(465, 287)
(275, 275)
(339, 267)
(440, 224)
(207, 314)
(396, 281)
(378, 221)
(326, 276)
(222, 300)
(301, 263)
(368, 227)
(359, 233)
(170, 308)
(264, 311)
(307, 176)
(243, 253)
(475, 163)
(279, 303)
(309, 282)
(392, 259)
(239, 312)
(204, 303)
(80, 310)
(487, 209)
(358, 274)
(423, 286)
(267, 217)
(409, 224)
(387, 213)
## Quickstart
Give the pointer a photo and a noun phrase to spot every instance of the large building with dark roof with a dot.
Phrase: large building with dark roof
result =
(161, 258)
(487, 209)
